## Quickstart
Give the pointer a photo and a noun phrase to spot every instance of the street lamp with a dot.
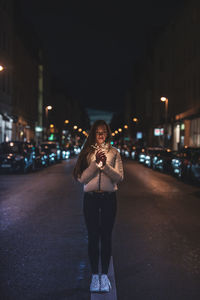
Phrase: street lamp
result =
(47, 108)
(135, 120)
(164, 99)
(1, 68)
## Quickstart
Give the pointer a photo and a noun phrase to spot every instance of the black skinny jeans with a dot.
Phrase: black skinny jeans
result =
(99, 212)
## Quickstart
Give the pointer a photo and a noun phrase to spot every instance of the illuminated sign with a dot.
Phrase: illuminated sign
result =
(38, 129)
(182, 126)
(158, 131)
(51, 137)
(161, 131)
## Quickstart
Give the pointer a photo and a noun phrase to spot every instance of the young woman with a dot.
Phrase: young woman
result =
(99, 168)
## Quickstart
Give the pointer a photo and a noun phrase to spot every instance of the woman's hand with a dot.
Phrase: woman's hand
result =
(100, 156)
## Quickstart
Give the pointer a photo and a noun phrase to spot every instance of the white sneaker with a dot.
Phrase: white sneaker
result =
(105, 283)
(95, 283)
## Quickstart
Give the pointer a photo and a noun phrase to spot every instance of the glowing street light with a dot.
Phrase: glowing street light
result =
(135, 120)
(51, 126)
(66, 121)
(75, 127)
(1, 68)
(163, 99)
(116, 132)
(80, 129)
(113, 134)
(120, 130)
(126, 126)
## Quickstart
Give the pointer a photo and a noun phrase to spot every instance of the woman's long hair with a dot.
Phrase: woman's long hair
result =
(82, 162)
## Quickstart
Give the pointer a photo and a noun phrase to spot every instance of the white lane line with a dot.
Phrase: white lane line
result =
(112, 295)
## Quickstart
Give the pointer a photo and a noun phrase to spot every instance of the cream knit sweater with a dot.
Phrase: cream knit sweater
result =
(103, 178)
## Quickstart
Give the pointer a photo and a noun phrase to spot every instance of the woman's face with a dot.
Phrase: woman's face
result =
(101, 134)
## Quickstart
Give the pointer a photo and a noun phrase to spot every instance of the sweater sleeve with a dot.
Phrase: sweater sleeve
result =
(88, 173)
(116, 174)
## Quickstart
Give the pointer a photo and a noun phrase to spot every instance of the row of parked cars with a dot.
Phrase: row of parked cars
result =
(23, 156)
(184, 164)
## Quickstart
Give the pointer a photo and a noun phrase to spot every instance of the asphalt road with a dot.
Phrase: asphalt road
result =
(156, 238)
(44, 238)
(156, 245)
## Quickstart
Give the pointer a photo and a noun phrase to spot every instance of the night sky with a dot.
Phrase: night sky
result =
(92, 45)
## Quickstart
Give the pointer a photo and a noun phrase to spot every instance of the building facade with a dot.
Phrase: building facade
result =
(172, 71)
(25, 80)
(6, 75)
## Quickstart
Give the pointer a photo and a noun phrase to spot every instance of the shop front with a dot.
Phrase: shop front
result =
(5, 128)
(187, 129)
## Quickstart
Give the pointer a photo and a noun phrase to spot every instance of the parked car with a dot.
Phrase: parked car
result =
(151, 154)
(50, 156)
(142, 155)
(193, 170)
(163, 160)
(185, 163)
(136, 151)
(53, 150)
(17, 156)
(65, 153)
(41, 158)
(71, 149)
(77, 150)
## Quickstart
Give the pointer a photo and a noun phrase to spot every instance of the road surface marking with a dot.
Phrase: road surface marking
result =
(112, 295)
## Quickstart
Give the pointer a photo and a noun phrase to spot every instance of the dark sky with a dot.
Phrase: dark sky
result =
(92, 45)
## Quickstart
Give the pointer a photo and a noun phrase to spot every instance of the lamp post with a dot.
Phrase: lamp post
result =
(47, 108)
(134, 130)
(164, 99)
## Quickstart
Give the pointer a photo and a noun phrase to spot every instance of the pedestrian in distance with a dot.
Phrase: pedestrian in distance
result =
(99, 168)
